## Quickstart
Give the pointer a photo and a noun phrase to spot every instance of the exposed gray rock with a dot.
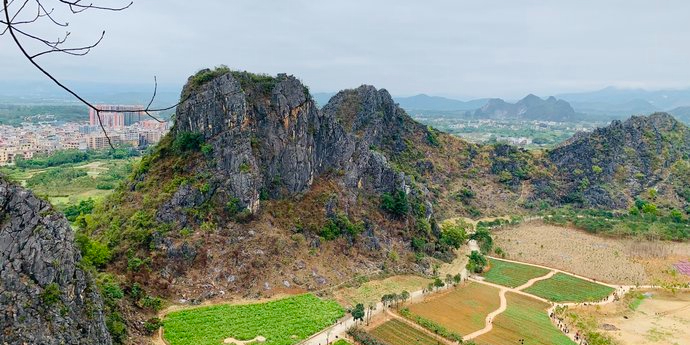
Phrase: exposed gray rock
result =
(45, 298)
(271, 139)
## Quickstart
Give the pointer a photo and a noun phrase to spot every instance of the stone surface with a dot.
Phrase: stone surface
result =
(274, 140)
(45, 298)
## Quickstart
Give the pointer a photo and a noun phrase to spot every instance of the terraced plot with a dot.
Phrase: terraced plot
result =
(282, 322)
(462, 310)
(525, 319)
(566, 288)
(512, 274)
(396, 332)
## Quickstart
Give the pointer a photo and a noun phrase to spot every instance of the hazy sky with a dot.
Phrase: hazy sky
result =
(456, 48)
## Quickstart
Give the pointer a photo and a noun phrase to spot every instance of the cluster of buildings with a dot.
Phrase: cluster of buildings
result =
(124, 124)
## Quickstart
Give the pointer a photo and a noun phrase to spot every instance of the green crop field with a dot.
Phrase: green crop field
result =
(511, 274)
(396, 332)
(341, 342)
(566, 288)
(282, 322)
(525, 319)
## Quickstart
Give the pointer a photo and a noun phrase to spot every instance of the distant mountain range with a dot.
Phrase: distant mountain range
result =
(606, 104)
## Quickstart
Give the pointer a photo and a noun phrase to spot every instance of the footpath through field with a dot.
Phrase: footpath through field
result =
(339, 329)
(489, 325)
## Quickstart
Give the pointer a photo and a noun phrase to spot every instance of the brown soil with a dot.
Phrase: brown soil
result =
(461, 310)
(664, 318)
(615, 261)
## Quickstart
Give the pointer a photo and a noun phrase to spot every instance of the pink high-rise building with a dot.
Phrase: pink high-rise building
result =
(117, 116)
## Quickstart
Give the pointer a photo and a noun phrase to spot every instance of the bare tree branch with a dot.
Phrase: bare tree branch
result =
(16, 30)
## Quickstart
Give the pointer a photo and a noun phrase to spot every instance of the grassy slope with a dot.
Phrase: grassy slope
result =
(511, 274)
(566, 288)
(399, 333)
(277, 321)
(525, 319)
(463, 310)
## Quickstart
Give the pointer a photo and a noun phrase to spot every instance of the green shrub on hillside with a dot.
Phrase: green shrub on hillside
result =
(339, 225)
(395, 203)
(187, 141)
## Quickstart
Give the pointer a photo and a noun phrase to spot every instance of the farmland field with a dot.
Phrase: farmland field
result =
(70, 184)
(282, 322)
(566, 288)
(525, 319)
(396, 332)
(462, 310)
(371, 291)
(512, 274)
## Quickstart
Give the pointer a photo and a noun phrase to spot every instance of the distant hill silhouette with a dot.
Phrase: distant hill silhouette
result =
(529, 108)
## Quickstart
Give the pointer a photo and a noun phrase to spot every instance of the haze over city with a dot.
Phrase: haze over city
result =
(459, 49)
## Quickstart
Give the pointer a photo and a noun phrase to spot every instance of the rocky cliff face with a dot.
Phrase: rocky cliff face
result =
(253, 171)
(609, 167)
(269, 139)
(45, 298)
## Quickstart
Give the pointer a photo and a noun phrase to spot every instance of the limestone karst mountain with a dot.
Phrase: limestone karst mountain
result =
(45, 296)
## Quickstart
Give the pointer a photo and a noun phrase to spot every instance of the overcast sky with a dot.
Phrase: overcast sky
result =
(455, 48)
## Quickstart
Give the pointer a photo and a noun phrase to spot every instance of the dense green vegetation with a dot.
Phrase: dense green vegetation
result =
(69, 157)
(476, 262)
(512, 274)
(15, 114)
(644, 219)
(395, 203)
(566, 288)
(282, 322)
(340, 225)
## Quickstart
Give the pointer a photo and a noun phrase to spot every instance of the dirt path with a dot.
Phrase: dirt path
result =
(489, 325)
(557, 271)
(340, 328)
(534, 280)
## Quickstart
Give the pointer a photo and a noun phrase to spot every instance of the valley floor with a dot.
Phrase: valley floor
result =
(527, 310)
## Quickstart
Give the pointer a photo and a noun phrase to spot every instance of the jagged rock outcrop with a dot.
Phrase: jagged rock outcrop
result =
(45, 298)
(270, 139)
(609, 167)
(255, 186)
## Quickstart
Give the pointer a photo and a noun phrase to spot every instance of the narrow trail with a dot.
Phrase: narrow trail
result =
(489, 324)
(558, 271)
(341, 327)
(534, 280)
